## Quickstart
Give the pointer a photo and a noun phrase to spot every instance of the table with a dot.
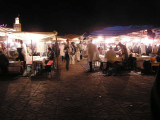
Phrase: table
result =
(142, 58)
(38, 64)
(140, 61)
(104, 60)
(156, 64)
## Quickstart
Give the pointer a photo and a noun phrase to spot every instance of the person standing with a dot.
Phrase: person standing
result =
(21, 57)
(158, 52)
(116, 48)
(143, 49)
(155, 50)
(62, 53)
(124, 51)
(80, 49)
(66, 50)
(72, 52)
(50, 54)
(149, 49)
(92, 52)
(78, 54)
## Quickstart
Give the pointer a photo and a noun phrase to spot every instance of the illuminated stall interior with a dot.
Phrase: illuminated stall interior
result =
(131, 36)
(33, 43)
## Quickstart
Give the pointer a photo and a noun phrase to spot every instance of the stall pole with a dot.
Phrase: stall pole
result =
(7, 43)
(7, 47)
(57, 50)
(32, 57)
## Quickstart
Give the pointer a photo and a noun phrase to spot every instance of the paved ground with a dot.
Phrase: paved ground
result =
(76, 95)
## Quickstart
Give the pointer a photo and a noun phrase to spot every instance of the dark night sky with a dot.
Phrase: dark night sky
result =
(79, 16)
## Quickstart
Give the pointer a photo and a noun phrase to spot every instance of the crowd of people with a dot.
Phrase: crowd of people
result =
(70, 53)
(110, 55)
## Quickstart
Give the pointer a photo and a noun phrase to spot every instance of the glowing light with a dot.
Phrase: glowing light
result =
(97, 40)
(125, 39)
(147, 41)
(17, 20)
(109, 40)
(136, 40)
(100, 38)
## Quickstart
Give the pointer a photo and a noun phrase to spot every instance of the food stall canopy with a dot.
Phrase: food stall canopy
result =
(27, 36)
(120, 30)
(4, 29)
(72, 37)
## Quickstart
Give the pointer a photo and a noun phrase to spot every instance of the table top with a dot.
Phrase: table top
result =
(103, 59)
(155, 63)
(38, 60)
(15, 63)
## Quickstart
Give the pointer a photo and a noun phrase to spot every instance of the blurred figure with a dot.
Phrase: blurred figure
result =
(50, 54)
(21, 56)
(110, 56)
(131, 62)
(158, 58)
(158, 52)
(66, 50)
(124, 51)
(116, 48)
(55, 49)
(80, 46)
(143, 49)
(92, 52)
(78, 54)
(62, 53)
(3, 62)
(72, 52)
(155, 50)
(149, 49)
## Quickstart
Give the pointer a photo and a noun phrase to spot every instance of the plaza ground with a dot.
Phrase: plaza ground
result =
(76, 95)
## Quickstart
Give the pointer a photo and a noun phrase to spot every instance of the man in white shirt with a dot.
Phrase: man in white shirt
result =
(92, 52)
(110, 56)
(62, 53)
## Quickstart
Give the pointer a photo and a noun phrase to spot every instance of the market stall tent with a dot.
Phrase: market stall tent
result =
(120, 30)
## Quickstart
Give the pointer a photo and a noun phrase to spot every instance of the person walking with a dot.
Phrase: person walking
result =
(66, 50)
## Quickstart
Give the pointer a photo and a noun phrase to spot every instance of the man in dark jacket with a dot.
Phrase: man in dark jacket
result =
(3, 63)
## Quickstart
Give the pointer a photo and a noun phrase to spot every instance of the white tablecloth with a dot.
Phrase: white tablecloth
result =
(103, 59)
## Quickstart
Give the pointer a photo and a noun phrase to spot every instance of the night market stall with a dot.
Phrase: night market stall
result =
(33, 45)
(141, 41)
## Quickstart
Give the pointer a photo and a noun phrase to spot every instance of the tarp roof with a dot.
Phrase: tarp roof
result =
(120, 30)
(4, 29)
